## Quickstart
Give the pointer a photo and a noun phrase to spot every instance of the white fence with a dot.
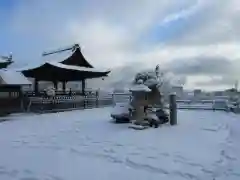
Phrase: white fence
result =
(181, 104)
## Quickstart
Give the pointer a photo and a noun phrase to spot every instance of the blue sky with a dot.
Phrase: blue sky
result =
(20, 41)
(8, 4)
(118, 33)
(6, 36)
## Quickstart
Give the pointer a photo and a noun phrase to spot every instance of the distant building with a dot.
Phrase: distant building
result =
(228, 94)
(197, 93)
(11, 77)
(120, 90)
(232, 93)
(178, 90)
(218, 93)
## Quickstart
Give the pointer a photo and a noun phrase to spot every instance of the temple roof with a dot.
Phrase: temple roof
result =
(77, 59)
(13, 77)
(69, 56)
(54, 71)
(66, 64)
(4, 62)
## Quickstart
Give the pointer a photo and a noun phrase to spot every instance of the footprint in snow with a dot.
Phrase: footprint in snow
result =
(118, 145)
(28, 171)
(164, 154)
(29, 178)
(5, 172)
(109, 150)
(55, 178)
(152, 157)
(13, 173)
(96, 142)
(134, 153)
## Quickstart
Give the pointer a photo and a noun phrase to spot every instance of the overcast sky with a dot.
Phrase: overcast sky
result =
(196, 40)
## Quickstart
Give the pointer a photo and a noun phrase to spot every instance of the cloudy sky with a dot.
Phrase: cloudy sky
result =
(196, 40)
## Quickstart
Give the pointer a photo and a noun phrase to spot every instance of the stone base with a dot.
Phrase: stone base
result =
(137, 127)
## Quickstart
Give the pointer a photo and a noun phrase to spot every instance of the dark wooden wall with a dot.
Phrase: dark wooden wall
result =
(10, 99)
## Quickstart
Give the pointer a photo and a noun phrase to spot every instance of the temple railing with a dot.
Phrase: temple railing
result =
(70, 93)
(41, 102)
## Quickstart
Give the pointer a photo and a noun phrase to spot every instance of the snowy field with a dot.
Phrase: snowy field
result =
(85, 145)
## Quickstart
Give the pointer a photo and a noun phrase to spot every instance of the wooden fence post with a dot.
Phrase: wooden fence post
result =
(173, 109)
(113, 101)
(84, 101)
(97, 100)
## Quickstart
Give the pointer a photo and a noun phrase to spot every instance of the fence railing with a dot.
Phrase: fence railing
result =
(61, 103)
(31, 102)
(57, 103)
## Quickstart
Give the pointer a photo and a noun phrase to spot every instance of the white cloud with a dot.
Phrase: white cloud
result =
(102, 42)
(219, 23)
(185, 13)
(111, 32)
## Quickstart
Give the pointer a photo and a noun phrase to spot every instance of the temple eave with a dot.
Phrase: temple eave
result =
(5, 64)
(61, 72)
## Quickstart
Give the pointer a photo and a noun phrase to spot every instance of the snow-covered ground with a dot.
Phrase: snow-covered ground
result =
(85, 145)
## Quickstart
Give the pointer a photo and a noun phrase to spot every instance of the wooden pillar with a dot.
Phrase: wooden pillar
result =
(64, 86)
(83, 86)
(35, 85)
(55, 83)
(173, 109)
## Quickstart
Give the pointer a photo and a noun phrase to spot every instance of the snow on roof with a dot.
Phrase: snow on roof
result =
(61, 55)
(3, 60)
(28, 66)
(57, 57)
(60, 65)
(70, 67)
(139, 88)
(13, 77)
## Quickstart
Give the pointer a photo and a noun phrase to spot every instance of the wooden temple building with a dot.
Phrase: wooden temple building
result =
(64, 65)
(12, 84)
(60, 66)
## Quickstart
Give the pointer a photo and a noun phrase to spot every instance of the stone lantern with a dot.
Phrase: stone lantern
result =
(140, 93)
